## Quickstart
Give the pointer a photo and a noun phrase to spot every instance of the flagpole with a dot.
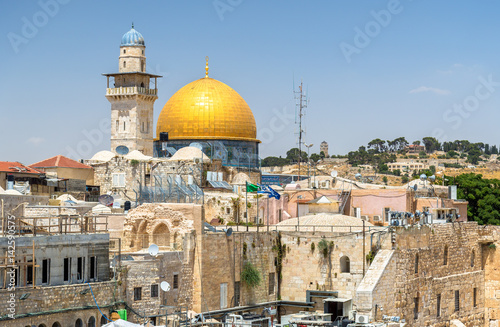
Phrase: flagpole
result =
(246, 202)
(268, 213)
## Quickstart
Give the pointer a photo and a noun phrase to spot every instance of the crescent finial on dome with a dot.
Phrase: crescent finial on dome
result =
(206, 67)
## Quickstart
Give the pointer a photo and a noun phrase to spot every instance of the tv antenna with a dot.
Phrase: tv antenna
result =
(301, 104)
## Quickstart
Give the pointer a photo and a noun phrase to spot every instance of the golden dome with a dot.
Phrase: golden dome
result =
(207, 109)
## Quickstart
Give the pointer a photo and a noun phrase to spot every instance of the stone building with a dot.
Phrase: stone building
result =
(132, 98)
(323, 147)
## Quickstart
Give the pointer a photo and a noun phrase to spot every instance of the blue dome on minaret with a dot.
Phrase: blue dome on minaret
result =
(132, 38)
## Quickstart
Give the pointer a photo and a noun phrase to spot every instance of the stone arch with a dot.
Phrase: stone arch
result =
(161, 235)
(78, 323)
(132, 236)
(42, 325)
(91, 322)
(142, 235)
(56, 324)
(104, 321)
(345, 264)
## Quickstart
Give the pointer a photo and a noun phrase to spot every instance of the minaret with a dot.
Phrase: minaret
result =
(131, 98)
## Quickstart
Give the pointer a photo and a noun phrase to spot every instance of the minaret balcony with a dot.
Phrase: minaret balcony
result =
(131, 90)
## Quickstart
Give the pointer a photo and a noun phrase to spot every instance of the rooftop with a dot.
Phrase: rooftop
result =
(17, 167)
(59, 161)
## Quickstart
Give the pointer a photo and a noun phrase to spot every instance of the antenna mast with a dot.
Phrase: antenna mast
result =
(302, 104)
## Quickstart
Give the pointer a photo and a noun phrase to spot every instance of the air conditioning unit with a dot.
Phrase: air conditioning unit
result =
(362, 319)
(364, 218)
(376, 218)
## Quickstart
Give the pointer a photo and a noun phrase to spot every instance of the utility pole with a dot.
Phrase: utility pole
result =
(302, 104)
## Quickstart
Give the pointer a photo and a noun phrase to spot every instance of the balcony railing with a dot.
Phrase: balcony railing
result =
(131, 90)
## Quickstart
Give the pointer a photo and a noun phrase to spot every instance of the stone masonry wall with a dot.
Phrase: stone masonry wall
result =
(64, 304)
(449, 260)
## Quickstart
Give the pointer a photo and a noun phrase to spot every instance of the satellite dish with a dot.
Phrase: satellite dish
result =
(153, 250)
(334, 173)
(415, 187)
(122, 150)
(423, 177)
(165, 287)
(106, 200)
(432, 178)
(228, 231)
(358, 176)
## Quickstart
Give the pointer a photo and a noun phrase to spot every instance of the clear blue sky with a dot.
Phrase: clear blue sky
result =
(416, 69)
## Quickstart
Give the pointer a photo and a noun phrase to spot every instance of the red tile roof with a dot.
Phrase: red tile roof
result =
(59, 161)
(17, 167)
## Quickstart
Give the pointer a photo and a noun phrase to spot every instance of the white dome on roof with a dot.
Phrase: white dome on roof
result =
(189, 153)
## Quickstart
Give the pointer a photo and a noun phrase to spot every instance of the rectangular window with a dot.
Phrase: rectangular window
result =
(118, 179)
(474, 301)
(93, 268)
(45, 271)
(415, 310)
(80, 269)
(223, 295)
(67, 269)
(236, 293)
(137, 293)
(457, 300)
(416, 263)
(271, 283)
(176, 281)
(154, 290)
(438, 305)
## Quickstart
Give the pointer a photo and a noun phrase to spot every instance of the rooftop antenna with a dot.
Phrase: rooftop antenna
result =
(302, 104)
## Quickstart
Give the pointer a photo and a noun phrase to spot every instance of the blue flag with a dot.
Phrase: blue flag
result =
(269, 191)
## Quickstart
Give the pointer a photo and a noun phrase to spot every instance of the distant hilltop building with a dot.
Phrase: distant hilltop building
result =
(415, 148)
(205, 114)
(324, 147)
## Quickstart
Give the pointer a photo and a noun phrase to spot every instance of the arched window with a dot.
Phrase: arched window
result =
(42, 325)
(124, 64)
(345, 265)
(142, 84)
(117, 125)
(124, 126)
(445, 255)
(79, 323)
(161, 235)
(416, 263)
(91, 322)
(103, 321)
(142, 66)
(124, 51)
(472, 258)
(56, 324)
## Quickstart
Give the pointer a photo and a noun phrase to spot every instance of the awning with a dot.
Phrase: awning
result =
(336, 299)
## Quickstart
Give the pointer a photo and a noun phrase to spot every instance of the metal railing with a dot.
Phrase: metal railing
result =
(131, 90)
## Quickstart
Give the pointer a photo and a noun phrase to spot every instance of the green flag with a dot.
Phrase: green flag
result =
(252, 187)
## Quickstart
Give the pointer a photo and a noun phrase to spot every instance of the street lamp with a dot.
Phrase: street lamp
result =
(308, 146)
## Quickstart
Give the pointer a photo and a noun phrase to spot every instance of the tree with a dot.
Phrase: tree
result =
(274, 161)
(483, 196)
(416, 142)
(422, 154)
(315, 157)
(404, 179)
(431, 144)
(322, 154)
(494, 149)
(293, 155)
(385, 180)
(378, 145)
(474, 156)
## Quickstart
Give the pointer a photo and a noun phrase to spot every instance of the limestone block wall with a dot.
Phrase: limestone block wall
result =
(490, 237)
(220, 259)
(64, 304)
(305, 269)
(434, 261)
(10, 201)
